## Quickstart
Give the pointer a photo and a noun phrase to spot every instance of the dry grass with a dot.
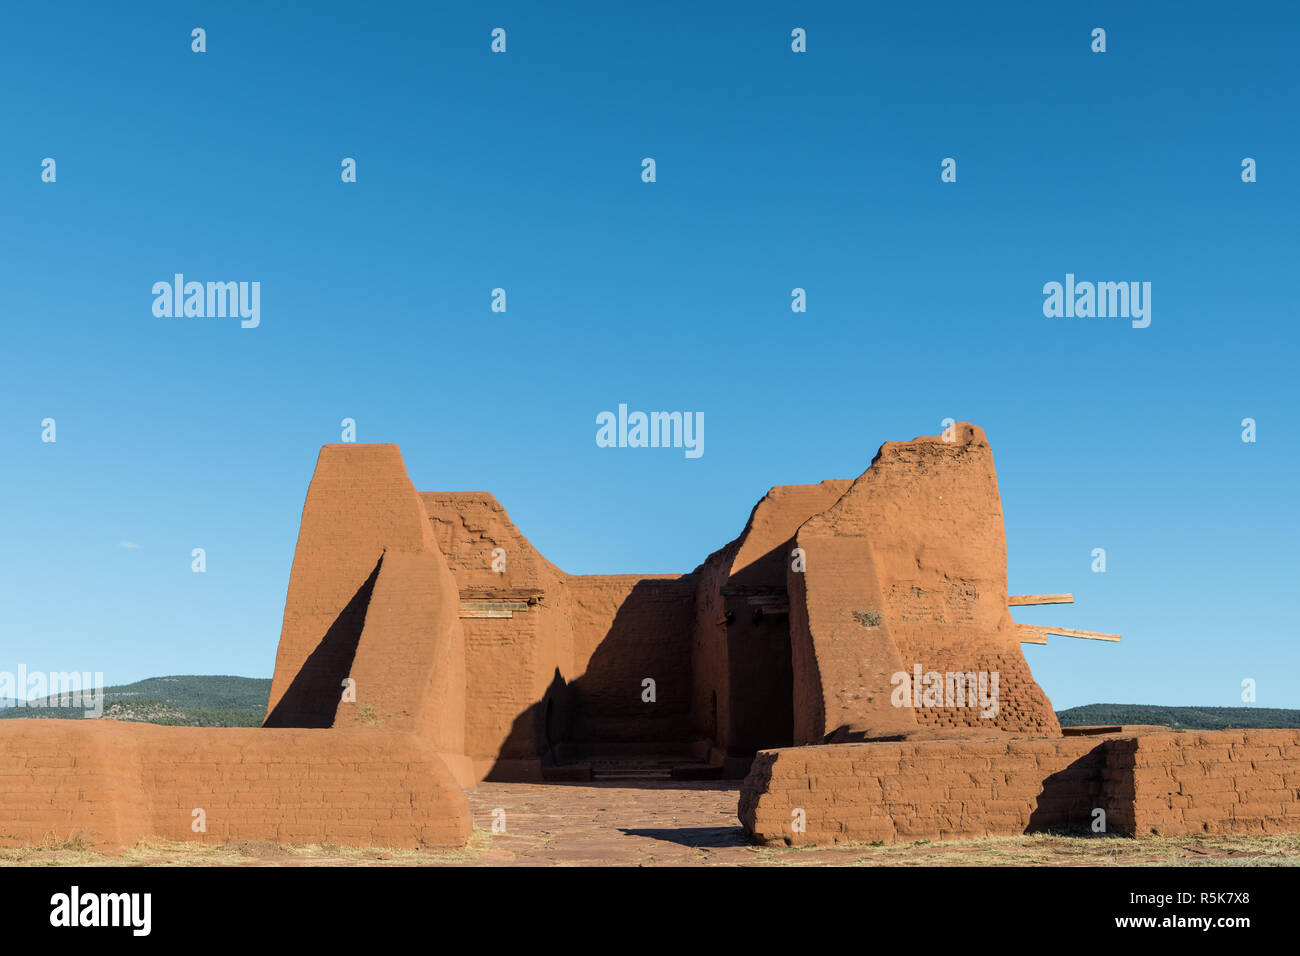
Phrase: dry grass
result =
(1031, 850)
(1050, 849)
(172, 853)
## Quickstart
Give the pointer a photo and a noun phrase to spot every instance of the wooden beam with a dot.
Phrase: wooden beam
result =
(1022, 600)
(484, 593)
(1037, 634)
(491, 608)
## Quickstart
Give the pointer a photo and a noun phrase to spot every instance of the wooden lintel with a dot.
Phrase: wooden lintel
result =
(1022, 600)
(527, 595)
(1037, 634)
(491, 608)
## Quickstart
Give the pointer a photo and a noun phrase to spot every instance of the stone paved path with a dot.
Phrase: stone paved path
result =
(647, 824)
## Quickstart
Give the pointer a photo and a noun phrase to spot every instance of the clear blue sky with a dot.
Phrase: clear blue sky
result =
(775, 170)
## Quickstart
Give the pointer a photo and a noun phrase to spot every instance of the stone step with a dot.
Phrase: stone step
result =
(632, 773)
(672, 762)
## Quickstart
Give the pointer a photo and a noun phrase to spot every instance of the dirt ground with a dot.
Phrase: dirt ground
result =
(672, 824)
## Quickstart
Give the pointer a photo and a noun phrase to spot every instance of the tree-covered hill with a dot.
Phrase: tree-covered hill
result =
(1181, 718)
(185, 700)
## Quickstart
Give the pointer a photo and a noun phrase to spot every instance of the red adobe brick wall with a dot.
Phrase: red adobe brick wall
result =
(742, 671)
(512, 664)
(922, 790)
(626, 628)
(1210, 782)
(1161, 782)
(114, 783)
(917, 544)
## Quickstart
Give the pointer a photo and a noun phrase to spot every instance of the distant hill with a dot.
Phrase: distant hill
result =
(183, 701)
(1180, 718)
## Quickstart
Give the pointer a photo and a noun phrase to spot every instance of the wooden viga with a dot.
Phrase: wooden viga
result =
(1038, 633)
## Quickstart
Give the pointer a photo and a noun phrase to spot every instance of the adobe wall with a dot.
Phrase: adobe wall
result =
(923, 789)
(742, 678)
(1230, 781)
(409, 668)
(116, 783)
(710, 662)
(360, 503)
(567, 671)
(917, 545)
(748, 651)
(513, 665)
(1164, 783)
(627, 628)
(371, 599)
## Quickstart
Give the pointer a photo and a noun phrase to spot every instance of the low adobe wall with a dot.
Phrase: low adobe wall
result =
(1227, 781)
(1166, 783)
(922, 790)
(114, 784)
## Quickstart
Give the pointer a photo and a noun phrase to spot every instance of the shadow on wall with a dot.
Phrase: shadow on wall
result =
(759, 665)
(312, 699)
(1069, 797)
(649, 637)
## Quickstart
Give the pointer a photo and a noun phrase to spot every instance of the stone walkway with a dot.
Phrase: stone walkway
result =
(684, 824)
(673, 823)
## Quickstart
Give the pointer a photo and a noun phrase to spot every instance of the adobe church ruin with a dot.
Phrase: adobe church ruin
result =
(446, 621)
(427, 645)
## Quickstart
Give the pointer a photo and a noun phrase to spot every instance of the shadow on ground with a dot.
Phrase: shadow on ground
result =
(700, 837)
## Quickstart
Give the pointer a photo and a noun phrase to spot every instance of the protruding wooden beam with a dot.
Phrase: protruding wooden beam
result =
(1037, 634)
(1021, 600)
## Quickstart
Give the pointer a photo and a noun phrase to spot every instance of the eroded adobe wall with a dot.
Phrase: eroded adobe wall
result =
(743, 677)
(565, 674)
(710, 665)
(1211, 782)
(923, 790)
(517, 666)
(114, 783)
(841, 668)
(908, 568)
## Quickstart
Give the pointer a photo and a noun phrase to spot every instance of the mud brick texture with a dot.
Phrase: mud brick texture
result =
(1157, 783)
(113, 784)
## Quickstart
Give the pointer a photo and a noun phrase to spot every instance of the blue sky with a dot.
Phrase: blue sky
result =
(775, 170)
